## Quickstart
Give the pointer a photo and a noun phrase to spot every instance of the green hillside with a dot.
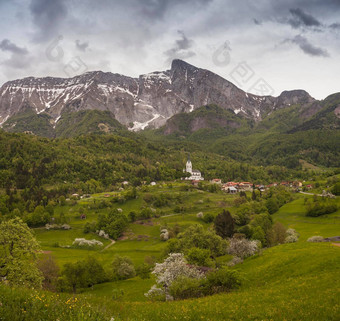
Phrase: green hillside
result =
(29, 121)
(87, 121)
(296, 281)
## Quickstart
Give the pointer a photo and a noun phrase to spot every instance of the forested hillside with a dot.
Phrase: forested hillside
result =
(27, 161)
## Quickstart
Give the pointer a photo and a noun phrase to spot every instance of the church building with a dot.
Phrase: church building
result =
(195, 175)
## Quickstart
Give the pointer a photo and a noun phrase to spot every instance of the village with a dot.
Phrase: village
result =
(236, 187)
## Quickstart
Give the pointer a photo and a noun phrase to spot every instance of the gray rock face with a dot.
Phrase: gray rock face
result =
(140, 102)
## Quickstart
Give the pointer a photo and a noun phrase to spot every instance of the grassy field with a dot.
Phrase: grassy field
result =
(293, 215)
(297, 281)
(288, 282)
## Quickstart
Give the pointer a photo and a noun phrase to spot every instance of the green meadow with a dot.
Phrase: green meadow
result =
(297, 281)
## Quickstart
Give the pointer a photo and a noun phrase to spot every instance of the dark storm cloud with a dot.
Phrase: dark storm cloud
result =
(7, 45)
(307, 47)
(47, 16)
(302, 19)
(81, 46)
(19, 58)
(335, 25)
(158, 8)
(181, 48)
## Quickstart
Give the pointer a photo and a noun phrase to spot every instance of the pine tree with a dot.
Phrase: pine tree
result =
(224, 224)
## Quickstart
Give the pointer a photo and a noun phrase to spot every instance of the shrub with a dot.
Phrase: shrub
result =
(117, 294)
(208, 218)
(292, 236)
(173, 267)
(38, 218)
(272, 205)
(102, 233)
(197, 236)
(315, 238)
(222, 280)
(81, 242)
(81, 274)
(199, 215)
(200, 257)
(242, 247)
(164, 235)
(155, 294)
(259, 235)
(89, 227)
(291, 239)
(143, 271)
(122, 268)
(50, 271)
(319, 208)
(184, 288)
(235, 260)
(276, 235)
(336, 189)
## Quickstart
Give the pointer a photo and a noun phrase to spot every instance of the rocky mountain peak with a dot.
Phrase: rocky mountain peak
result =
(291, 97)
(146, 101)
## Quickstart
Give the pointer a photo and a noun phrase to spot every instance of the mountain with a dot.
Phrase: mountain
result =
(208, 119)
(327, 118)
(147, 101)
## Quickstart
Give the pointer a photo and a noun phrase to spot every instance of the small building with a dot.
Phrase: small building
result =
(232, 190)
(262, 188)
(245, 186)
(231, 183)
(216, 181)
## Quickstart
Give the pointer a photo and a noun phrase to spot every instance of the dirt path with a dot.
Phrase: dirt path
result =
(170, 215)
(313, 194)
(336, 244)
(107, 246)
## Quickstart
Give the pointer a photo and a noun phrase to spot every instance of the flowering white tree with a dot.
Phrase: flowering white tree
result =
(84, 242)
(315, 238)
(292, 236)
(164, 235)
(174, 266)
(242, 247)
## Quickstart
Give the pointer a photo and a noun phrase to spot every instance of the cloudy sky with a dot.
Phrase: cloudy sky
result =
(283, 43)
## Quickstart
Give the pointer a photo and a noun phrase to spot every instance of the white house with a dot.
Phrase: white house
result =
(195, 174)
(232, 190)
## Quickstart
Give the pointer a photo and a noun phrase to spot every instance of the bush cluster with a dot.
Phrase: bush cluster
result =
(321, 207)
(315, 238)
(242, 247)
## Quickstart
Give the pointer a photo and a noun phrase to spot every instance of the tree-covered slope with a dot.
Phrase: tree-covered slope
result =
(85, 122)
(204, 122)
(29, 121)
(327, 118)
(29, 161)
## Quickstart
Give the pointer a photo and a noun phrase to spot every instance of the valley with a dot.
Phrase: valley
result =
(283, 281)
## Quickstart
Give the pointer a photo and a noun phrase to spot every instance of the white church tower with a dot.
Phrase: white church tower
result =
(195, 175)
(188, 166)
